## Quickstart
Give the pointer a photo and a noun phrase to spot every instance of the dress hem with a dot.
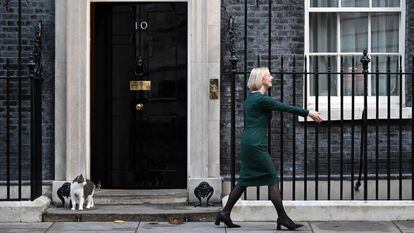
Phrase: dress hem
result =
(258, 183)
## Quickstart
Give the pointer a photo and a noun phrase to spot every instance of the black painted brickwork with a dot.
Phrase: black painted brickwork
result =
(287, 39)
(32, 12)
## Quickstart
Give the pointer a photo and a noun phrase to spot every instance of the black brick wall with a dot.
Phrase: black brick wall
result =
(288, 41)
(32, 12)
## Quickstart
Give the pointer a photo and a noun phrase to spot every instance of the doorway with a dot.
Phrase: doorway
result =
(139, 95)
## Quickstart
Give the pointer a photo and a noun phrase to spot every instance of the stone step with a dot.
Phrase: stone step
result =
(138, 197)
(128, 213)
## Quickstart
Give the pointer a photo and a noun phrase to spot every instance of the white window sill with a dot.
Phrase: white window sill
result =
(347, 113)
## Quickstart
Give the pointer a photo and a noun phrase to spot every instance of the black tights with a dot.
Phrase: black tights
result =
(276, 198)
(234, 195)
(274, 195)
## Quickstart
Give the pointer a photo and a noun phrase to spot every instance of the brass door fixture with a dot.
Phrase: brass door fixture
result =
(140, 85)
(139, 107)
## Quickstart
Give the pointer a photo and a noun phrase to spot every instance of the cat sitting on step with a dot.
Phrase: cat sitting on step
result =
(81, 189)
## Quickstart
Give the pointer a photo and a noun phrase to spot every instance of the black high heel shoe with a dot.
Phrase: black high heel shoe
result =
(288, 224)
(221, 217)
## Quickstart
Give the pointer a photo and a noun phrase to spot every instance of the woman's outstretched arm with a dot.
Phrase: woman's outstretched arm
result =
(271, 104)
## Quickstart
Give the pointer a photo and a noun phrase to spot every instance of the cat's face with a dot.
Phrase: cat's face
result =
(80, 180)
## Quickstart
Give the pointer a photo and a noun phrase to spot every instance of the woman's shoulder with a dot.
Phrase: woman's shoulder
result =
(264, 98)
(259, 100)
(254, 97)
(258, 96)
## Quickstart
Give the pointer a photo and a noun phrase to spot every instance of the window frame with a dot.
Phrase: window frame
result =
(359, 100)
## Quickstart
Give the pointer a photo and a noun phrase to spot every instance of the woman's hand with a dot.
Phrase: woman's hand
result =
(316, 116)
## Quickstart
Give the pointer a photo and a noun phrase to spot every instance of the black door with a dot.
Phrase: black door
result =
(139, 95)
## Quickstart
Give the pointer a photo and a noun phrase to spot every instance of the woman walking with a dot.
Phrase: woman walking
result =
(257, 167)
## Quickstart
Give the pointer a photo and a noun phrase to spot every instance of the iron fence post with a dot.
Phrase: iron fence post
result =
(365, 61)
(233, 60)
(35, 68)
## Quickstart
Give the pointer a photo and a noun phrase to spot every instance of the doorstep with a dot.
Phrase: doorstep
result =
(162, 213)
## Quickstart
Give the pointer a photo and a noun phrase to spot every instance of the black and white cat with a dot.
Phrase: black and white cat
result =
(81, 189)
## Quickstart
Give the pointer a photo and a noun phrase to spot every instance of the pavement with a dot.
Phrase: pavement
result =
(205, 227)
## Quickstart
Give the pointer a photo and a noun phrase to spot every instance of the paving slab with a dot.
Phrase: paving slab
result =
(405, 226)
(354, 226)
(93, 227)
(24, 227)
(22, 231)
(189, 227)
(90, 231)
(265, 227)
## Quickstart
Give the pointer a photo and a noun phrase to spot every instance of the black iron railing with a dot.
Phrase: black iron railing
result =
(20, 101)
(383, 155)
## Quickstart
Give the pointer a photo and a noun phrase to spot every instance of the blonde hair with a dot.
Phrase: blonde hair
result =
(256, 78)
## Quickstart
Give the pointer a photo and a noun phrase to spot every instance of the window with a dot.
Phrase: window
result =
(339, 30)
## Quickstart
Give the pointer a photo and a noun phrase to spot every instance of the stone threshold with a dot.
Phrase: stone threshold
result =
(131, 196)
(137, 197)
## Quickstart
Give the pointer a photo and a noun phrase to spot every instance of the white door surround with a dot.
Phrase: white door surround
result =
(72, 91)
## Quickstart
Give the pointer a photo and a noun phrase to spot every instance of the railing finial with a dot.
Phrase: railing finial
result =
(365, 61)
(233, 58)
(35, 65)
(6, 4)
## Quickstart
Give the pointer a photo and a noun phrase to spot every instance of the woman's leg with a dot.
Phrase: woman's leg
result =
(224, 215)
(276, 198)
(234, 196)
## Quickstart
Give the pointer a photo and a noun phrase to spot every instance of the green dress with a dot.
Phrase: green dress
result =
(257, 168)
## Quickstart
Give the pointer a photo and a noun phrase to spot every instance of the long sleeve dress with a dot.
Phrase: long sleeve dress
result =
(257, 168)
